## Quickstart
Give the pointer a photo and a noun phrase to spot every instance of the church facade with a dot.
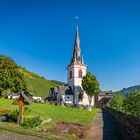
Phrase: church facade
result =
(73, 92)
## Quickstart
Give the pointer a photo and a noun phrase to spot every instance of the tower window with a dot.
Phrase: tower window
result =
(70, 74)
(80, 74)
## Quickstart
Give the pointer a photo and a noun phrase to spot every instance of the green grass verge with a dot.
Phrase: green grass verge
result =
(9, 131)
(57, 113)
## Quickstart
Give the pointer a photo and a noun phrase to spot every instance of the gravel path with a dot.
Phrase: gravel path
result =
(4, 135)
(104, 128)
(9, 133)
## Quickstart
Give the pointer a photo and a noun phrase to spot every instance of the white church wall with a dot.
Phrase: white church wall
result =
(86, 101)
(77, 82)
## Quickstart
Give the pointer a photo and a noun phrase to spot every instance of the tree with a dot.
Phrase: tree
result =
(117, 101)
(131, 103)
(10, 77)
(90, 86)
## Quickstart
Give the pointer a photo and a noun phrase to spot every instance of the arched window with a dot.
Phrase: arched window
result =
(80, 74)
(70, 74)
(80, 97)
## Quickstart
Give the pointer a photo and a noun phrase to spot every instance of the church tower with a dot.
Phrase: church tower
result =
(76, 70)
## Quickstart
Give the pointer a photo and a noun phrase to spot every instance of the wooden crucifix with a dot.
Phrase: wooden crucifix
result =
(21, 101)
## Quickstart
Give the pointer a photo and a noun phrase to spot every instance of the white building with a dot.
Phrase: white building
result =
(73, 91)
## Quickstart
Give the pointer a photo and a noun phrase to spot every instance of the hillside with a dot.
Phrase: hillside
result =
(15, 78)
(58, 82)
(38, 84)
(126, 91)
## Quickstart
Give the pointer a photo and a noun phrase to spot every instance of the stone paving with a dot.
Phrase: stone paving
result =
(104, 128)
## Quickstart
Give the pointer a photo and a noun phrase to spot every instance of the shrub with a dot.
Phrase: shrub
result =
(117, 101)
(12, 116)
(131, 104)
(31, 122)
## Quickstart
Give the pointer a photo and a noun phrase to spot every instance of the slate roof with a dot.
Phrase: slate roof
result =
(64, 90)
(12, 94)
(26, 99)
(77, 51)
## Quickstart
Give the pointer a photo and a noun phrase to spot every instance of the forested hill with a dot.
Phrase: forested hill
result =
(126, 91)
(16, 78)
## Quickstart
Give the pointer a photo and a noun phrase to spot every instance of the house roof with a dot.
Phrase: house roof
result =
(104, 93)
(22, 98)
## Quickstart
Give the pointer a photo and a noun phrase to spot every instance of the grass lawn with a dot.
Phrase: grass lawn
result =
(57, 113)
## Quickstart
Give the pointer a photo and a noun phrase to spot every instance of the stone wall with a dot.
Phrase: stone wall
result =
(130, 125)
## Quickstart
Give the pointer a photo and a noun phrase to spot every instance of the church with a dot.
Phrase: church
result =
(73, 93)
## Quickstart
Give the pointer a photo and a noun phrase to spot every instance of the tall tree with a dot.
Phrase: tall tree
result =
(10, 76)
(90, 86)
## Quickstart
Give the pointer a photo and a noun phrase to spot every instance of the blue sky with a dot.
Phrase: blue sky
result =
(39, 35)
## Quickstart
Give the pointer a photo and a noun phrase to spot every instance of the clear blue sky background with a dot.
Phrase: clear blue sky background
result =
(39, 35)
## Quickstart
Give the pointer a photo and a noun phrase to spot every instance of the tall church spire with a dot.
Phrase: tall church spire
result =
(76, 52)
(82, 60)
(77, 39)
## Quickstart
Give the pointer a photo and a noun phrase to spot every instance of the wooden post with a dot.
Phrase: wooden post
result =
(21, 101)
(21, 114)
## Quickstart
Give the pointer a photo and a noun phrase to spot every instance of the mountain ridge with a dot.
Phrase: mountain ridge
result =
(126, 91)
